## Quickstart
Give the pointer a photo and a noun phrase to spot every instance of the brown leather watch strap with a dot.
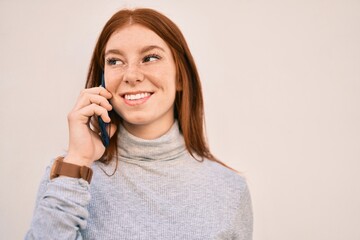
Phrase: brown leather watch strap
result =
(61, 168)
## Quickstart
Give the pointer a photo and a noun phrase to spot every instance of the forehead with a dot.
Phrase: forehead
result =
(134, 37)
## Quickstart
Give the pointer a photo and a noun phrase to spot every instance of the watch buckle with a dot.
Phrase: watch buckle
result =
(86, 173)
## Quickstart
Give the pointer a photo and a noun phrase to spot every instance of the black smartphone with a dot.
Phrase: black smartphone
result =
(103, 125)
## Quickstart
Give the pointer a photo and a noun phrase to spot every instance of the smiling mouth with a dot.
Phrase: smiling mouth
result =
(137, 96)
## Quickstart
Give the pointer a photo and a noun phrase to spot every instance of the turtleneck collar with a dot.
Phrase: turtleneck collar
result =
(169, 146)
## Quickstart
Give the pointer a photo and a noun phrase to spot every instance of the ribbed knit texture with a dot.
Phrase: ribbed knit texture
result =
(158, 192)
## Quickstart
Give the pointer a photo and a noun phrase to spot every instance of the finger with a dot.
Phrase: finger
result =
(100, 100)
(97, 91)
(89, 98)
(94, 109)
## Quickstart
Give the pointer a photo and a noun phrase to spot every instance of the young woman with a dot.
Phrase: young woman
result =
(157, 178)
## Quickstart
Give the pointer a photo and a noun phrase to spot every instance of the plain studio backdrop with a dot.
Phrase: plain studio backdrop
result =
(281, 82)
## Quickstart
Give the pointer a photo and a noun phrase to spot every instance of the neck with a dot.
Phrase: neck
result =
(169, 146)
(148, 131)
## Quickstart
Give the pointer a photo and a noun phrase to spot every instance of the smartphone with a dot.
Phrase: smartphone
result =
(103, 125)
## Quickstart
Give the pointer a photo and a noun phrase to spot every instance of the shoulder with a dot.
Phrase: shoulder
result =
(231, 189)
(226, 174)
(225, 178)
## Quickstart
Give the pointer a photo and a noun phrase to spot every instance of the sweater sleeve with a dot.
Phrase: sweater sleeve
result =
(60, 210)
(245, 216)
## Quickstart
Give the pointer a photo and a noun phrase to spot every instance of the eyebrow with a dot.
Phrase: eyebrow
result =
(151, 47)
(143, 50)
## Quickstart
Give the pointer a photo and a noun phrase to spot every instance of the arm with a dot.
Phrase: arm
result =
(60, 211)
(244, 216)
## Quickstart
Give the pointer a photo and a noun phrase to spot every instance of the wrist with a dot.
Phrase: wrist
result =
(77, 160)
(61, 168)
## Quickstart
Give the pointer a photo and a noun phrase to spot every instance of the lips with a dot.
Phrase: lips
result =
(136, 98)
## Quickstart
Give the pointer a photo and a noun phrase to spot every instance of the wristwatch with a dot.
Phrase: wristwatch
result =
(60, 168)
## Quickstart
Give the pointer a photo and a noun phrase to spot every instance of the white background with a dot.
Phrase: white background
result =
(281, 81)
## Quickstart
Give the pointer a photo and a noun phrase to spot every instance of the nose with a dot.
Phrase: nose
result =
(133, 75)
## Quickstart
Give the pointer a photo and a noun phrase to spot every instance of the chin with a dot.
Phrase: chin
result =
(149, 117)
(136, 119)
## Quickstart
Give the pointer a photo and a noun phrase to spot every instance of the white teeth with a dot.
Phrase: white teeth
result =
(136, 96)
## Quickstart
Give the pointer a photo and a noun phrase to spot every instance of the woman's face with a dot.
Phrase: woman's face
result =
(140, 73)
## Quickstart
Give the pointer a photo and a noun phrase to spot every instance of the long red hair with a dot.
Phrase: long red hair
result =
(189, 106)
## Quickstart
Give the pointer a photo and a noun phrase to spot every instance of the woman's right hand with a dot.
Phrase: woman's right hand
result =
(85, 145)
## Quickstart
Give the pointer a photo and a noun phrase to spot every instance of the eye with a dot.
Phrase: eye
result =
(151, 58)
(114, 61)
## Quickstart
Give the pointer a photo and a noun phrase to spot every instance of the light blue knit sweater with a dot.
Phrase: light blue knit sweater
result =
(158, 192)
